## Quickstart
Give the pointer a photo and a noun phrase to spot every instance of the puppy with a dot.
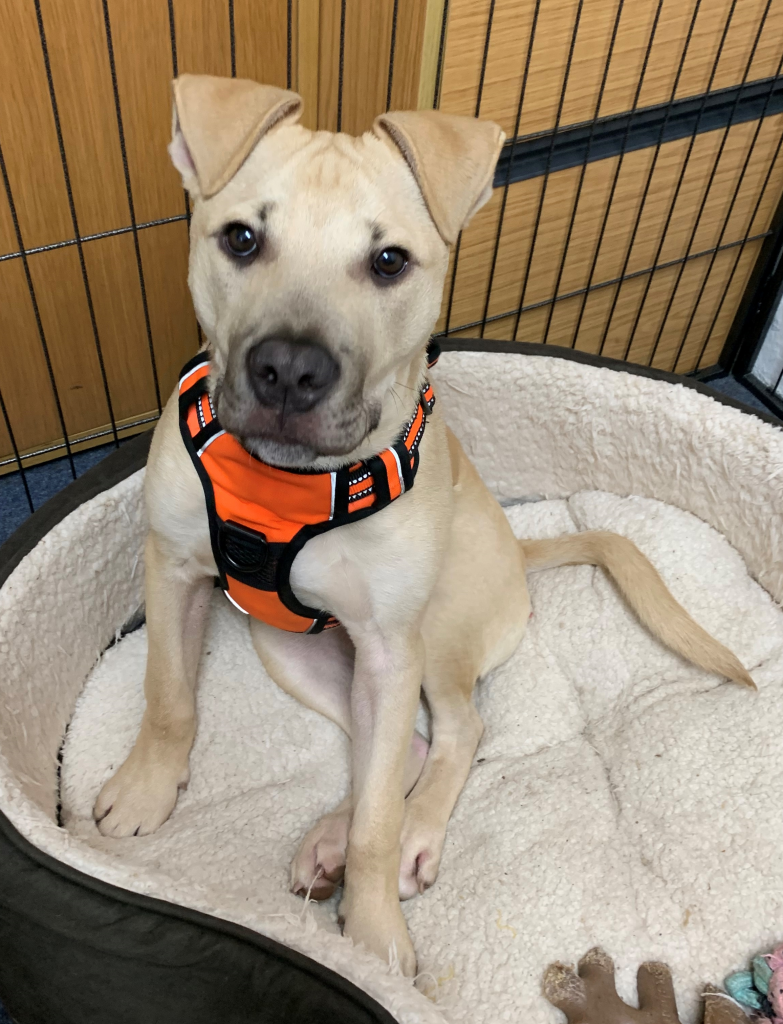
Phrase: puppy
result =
(285, 466)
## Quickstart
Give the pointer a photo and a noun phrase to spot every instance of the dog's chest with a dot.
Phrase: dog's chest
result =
(365, 572)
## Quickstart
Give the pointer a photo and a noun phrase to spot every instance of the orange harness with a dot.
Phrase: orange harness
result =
(260, 517)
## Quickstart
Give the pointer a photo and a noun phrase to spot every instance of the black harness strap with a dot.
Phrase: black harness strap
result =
(380, 482)
(233, 544)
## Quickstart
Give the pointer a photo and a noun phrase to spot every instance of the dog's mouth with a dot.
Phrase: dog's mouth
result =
(292, 439)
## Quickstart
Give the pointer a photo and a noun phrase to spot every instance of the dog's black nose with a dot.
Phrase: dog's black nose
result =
(291, 374)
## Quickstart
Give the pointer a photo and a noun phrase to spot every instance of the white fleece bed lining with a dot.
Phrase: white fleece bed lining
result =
(619, 796)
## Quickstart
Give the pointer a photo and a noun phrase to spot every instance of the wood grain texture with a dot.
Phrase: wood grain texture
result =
(510, 38)
(261, 33)
(111, 265)
(613, 256)
(6, 446)
(726, 309)
(8, 242)
(468, 21)
(308, 45)
(79, 441)
(37, 184)
(433, 24)
(85, 101)
(203, 37)
(365, 63)
(23, 374)
(368, 35)
(565, 258)
(409, 55)
(119, 314)
(164, 250)
(142, 27)
(57, 279)
(532, 327)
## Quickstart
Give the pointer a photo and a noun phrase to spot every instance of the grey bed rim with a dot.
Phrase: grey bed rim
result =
(69, 940)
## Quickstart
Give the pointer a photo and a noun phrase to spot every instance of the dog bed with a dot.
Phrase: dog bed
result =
(619, 797)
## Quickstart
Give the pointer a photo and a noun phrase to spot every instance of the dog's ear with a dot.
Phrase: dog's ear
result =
(452, 158)
(217, 123)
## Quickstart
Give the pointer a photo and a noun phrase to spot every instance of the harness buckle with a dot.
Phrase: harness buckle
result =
(242, 549)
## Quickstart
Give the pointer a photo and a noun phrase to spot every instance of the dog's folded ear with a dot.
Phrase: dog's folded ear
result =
(218, 122)
(452, 159)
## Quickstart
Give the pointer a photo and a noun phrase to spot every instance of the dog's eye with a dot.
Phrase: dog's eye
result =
(240, 240)
(390, 263)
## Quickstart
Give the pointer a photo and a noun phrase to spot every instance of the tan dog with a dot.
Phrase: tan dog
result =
(337, 247)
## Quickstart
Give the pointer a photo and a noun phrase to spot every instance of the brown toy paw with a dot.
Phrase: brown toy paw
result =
(588, 995)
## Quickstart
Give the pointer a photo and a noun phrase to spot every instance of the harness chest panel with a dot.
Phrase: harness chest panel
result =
(261, 516)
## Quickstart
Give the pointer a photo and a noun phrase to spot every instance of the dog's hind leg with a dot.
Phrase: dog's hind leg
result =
(318, 671)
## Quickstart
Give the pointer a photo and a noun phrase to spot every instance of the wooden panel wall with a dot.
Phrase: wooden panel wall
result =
(95, 317)
(699, 195)
(97, 331)
(638, 31)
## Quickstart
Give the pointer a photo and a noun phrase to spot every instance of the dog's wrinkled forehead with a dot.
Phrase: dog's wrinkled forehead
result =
(316, 193)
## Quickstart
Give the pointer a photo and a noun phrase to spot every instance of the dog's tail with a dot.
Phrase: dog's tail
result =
(644, 590)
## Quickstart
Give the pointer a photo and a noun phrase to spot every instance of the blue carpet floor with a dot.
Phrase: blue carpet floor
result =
(44, 481)
(732, 388)
(50, 477)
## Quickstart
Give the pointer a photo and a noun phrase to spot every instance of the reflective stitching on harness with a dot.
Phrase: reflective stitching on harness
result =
(184, 377)
(207, 443)
(399, 471)
(239, 606)
(416, 440)
(334, 488)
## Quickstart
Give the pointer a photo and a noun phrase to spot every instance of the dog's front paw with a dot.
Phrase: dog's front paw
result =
(139, 797)
(421, 849)
(380, 927)
(319, 864)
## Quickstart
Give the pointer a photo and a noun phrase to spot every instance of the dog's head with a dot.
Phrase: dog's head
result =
(317, 259)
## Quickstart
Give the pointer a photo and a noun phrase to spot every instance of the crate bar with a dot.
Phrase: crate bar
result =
(726, 220)
(74, 219)
(545, 183)
(609, 282)
(583, 169)
(392, 48)
(706, 193)
(341, 69)
(131, 211)
(507, 182)
(479, 96)
(681, 178)
(618, 168)
(36, 312)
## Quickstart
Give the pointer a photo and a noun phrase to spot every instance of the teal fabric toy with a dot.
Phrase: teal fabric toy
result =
(761, 988)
